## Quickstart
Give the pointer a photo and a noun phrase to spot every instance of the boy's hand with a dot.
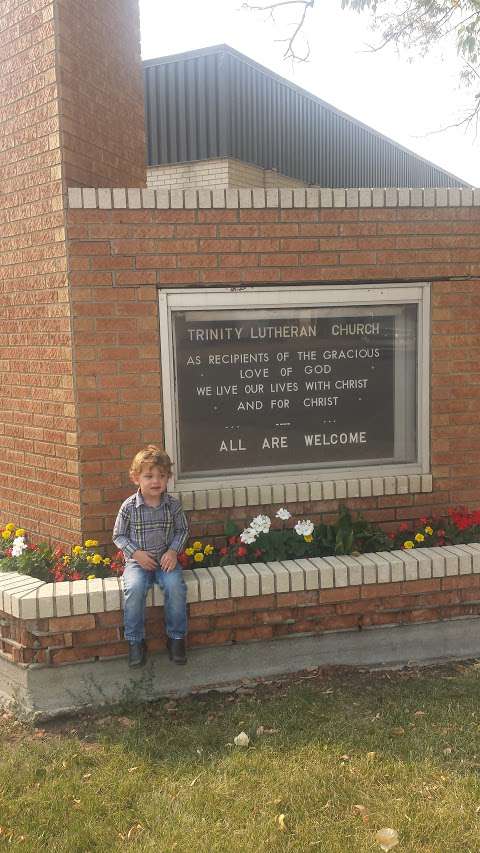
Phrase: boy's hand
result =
(145, 560)
(168, 560)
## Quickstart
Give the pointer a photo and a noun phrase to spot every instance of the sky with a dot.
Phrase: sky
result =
(410, 101)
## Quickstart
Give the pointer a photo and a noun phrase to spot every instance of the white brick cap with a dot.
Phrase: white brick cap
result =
(276, 197)
(30, 599)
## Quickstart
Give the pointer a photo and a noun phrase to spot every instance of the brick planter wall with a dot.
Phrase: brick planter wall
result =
(55, 626)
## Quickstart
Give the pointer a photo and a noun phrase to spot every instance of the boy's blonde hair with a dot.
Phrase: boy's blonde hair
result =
(151, 455)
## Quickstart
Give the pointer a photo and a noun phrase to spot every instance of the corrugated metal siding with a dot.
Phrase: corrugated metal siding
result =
(216, 103)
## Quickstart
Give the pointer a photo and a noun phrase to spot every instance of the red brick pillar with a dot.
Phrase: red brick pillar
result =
(71, 113)
(101, 93)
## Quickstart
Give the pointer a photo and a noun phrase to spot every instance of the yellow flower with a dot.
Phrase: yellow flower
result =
(89, 558)
(198, 557)
(91, 577)
(429, 531)
(20, 532)
(10, 526)
(107, 561)
(419, 537)
(308, 538)
(197, 546)
(66, 560)
(189, 552)
(77, 550)
(6, 534)
(91, 543)
(96, 559)
(409, 544)
(208, 550)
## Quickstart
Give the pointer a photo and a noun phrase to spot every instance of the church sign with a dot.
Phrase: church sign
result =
(262, 385)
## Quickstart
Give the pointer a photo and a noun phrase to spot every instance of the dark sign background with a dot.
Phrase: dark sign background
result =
(264, 424)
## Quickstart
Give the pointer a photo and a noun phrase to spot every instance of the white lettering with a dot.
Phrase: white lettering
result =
(356, 329)
(250, 406)
(232, 446)
(321, 439)
(274, 442)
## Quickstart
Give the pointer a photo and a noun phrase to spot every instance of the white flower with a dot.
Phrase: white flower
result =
(304, 528)
(261, 523)
(248, 536)
(283, 513)
(19, 546)
(242, 739)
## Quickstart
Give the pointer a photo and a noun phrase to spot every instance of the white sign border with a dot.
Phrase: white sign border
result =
(297, 295)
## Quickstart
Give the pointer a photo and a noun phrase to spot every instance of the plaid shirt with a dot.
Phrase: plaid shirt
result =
(150, 528)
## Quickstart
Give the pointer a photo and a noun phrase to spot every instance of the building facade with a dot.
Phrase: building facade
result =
(96, 265)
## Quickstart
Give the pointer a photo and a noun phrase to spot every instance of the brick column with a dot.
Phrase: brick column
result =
(71, 111)
(101, 93)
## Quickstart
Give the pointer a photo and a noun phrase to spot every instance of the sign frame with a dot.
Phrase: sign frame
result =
(291, 297)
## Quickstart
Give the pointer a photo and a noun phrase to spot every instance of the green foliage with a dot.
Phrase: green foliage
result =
(231, 528)
(421, 25)
(37, 562)
(349, 535)
(346, 535)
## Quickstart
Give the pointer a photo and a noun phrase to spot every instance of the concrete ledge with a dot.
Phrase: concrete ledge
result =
(37, 694)
(121, 198)
(27, 598)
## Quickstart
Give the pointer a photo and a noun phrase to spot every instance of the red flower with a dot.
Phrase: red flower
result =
(423, 520)
(232, 540)
(183, 559)
(403, 526)
(241, 551)
(440, 533)
(223, 552)
(76, 576)
(391, 535)
(258, 552)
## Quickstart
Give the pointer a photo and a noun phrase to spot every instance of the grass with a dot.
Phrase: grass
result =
(404, 746)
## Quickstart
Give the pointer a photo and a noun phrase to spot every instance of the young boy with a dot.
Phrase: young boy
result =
(151, 529)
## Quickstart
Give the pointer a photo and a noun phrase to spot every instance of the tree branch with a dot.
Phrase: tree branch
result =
(291, 49)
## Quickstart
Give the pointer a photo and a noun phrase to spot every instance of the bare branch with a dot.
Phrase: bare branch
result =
(272, 6)
(291, 49)
(472, 118)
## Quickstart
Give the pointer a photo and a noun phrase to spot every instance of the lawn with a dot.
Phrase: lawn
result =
(338, 753)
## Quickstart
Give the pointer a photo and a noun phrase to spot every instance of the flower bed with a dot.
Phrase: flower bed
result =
(296, 601)
(260, 542)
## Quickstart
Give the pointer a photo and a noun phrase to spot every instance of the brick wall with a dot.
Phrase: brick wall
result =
(39, 484)
(98, 635)
(216, 174)
(101, 93)
(119, 257)
(204, 173)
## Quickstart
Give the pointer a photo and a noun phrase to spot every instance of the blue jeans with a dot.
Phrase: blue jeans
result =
(136, 583)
